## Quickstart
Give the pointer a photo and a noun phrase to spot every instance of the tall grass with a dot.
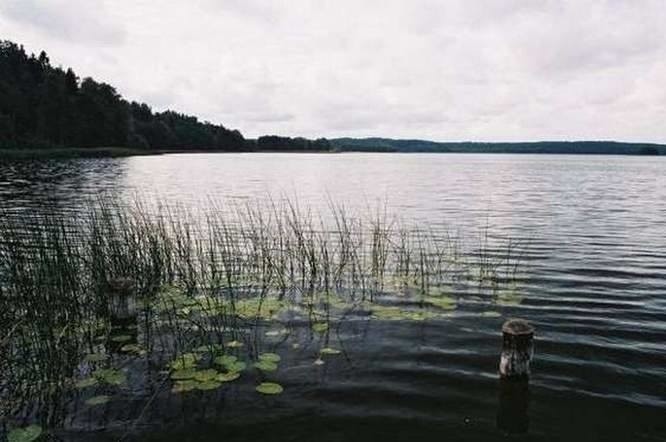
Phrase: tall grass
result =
(201, 277)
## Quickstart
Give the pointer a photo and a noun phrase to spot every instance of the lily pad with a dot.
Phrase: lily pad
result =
(225, 360)
(27, 434)
(392, 313)
(227, 377)
(236, 367)
(329, 351)
(205, 375)
(270, 357)
(121, 338)
(111, 376)
(208, 385)
(184, 386)
(443, 302)
(269, 388)
(98, 400)
(491, 314)
(186, 360)
(210, 348)
(509, 298)
(319, 361)
(96, 357)
(234, 344)
(132, 348)
(264, 365)
(186, 373)
(320, 327)
(85, 383)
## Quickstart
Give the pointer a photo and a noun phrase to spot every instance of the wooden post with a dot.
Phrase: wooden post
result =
(512, 413)
(122, 300)
(123, 312)
(517, 349)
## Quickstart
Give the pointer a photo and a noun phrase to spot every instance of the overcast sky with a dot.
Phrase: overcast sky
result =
(434, 69)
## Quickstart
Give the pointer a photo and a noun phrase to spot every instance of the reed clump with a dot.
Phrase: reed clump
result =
(197, 285)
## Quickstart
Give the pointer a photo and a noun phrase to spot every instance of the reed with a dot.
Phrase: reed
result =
(205, 279)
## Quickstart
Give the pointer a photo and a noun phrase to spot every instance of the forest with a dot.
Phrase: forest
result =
(44, 106)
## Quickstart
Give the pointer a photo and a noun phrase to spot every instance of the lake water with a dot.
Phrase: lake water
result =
(593, 230)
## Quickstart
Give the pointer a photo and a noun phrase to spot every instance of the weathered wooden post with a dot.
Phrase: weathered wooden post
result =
(514, 400)
(517, 349)
(123, 313)
(122, 300)
(514, 370)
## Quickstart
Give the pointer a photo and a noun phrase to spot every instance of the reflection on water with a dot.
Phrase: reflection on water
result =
(595, 293)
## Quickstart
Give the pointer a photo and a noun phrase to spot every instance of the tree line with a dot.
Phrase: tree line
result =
(43, 106)
(540, 147)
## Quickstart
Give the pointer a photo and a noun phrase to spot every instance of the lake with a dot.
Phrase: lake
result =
(591, 240)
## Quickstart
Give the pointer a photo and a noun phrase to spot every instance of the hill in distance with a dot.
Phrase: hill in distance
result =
(547, 147)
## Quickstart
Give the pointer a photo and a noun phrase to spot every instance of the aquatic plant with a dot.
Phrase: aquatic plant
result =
(270, 388)
(198, 296)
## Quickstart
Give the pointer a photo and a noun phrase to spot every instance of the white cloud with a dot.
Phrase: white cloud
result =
(76, 22)
(445, 70)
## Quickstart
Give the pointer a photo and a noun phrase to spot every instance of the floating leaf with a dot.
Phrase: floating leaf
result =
(121, 338)
(443, 302)
(491, 314)
(208, 385)
(390, 313)
(186, 360)
(111, 376)
(320, 327)
(225, 360)
(509, 298)
(227, 377)
(184, 386)
(269, 388)
(209, 348)
(27, 434)
(270, 357)
(264, 365)
(132, 348)
(205, 375)
(234, 344)
(236, 367)
(98, 400)
(272, 333)
(85, 383)
(264, 308)
(319, 361)
(329, 351)
(186, 373)
(96, 357)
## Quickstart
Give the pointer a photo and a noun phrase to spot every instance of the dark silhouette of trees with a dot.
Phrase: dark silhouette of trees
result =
(46, 106)
(275, 143)
(545, 147)
(648, 150)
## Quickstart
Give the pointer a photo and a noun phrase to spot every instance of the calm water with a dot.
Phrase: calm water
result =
(595, 235)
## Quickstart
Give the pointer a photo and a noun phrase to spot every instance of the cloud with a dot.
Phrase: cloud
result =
(454, 70)
(76, 22)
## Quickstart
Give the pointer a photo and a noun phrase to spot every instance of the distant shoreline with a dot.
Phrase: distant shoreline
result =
(119, 152)
(115, 152)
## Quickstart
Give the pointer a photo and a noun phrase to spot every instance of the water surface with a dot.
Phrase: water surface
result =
(594, 229)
